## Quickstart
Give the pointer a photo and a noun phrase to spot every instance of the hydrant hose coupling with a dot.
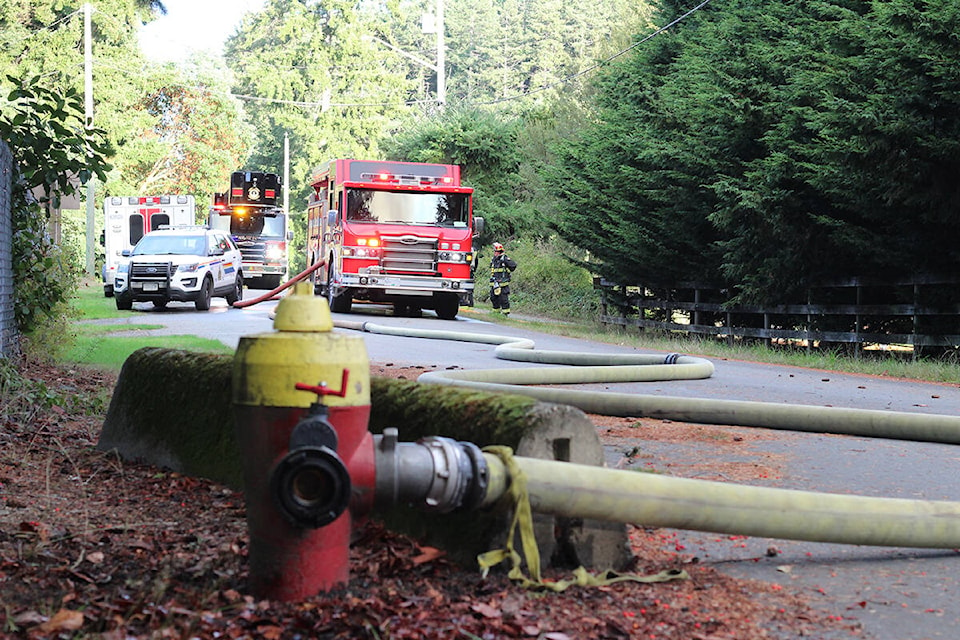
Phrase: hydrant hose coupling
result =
(302, 401)
(434, 474)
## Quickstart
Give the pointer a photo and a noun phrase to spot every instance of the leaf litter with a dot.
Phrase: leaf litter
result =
(95, 547)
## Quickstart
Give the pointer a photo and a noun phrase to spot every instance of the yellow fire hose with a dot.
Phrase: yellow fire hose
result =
(565, 489)
(593, 368)
(571, 490)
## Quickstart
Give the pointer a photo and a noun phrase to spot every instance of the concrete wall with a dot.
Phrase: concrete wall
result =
(8, 327)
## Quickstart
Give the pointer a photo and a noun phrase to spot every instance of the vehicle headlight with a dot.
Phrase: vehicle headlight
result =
(453, 256)
(188, 268)
(273, 254)
(361, 252)
(123, 267)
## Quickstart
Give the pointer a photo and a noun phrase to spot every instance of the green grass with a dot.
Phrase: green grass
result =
(90, 303)
(96, 345)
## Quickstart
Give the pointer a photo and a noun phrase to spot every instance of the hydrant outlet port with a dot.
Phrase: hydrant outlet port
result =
(311, 486)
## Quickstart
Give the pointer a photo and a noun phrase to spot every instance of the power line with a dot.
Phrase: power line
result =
(596, 66)
(325, 104)
(49, 27)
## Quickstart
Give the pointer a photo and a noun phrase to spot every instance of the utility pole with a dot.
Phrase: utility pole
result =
(88, 113)
(286, 174)
(441, 58)
(429, 24)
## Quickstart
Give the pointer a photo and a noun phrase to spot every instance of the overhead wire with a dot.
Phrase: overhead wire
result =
(596, 66)
(49, 27)
(330, 104)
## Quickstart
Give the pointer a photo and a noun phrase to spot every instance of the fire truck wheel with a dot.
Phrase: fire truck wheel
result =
(339, 302)
(447, 307)
(237, 293)
(206, 293)
(124, 302)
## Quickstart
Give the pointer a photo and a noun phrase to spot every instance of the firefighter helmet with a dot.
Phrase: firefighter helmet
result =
(497, 246)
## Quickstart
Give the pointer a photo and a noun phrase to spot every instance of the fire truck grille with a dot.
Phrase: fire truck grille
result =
(252, 251)
(151, 270)
(409, 254)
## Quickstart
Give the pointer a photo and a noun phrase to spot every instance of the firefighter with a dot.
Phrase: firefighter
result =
(500, 268)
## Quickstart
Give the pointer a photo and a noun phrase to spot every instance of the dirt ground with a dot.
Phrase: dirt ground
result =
(92, 546)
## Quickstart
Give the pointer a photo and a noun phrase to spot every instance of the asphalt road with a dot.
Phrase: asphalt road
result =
(884, 593)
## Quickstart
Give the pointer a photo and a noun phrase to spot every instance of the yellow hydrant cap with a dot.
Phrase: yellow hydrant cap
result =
(303, 311)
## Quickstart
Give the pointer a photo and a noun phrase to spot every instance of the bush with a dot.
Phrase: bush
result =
(45, 128)
(548, 280)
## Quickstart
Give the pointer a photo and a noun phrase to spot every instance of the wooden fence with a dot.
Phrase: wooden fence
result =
(920, 312)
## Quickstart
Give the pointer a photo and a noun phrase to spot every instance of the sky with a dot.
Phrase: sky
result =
(193, 25)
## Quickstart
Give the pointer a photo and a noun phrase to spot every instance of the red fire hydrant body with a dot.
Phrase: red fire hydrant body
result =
(331, 479)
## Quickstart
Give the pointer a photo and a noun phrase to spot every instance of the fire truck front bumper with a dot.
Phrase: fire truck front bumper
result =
(255, 269)
(412, 285)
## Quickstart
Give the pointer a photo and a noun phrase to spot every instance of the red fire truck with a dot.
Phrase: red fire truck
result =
(250, 214)
(398, 233)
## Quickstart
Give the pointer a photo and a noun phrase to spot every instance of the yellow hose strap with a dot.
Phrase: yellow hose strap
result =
(523, 518)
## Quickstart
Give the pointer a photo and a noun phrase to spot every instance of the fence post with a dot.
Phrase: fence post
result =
(859, 323)
(8, 323)
(696, 308)
(916, 321)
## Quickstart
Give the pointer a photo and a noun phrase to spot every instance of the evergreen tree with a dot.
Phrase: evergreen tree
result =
(774, 145)
(307, 70)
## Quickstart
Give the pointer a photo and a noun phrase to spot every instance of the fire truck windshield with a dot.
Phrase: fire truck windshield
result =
(247, 224)
(407, 207)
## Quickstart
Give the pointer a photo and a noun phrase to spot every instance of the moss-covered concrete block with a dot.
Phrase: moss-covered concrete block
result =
(173, 409)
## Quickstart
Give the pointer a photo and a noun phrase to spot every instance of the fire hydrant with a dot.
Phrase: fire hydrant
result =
(311, 467)
(302, 402)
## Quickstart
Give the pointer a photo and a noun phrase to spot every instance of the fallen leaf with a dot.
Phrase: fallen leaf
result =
(427, 554)
(485, 610)
(271, 632)
(28, 618)
(63, 620)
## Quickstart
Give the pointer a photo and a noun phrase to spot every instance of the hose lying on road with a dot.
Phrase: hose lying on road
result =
(663, 501)
(593, 368)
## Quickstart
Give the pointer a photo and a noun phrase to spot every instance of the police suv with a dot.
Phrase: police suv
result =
(183, 263)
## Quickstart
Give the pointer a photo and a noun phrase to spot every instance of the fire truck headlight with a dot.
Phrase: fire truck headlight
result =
(273, 254)
(453, 256)
(188, 268)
